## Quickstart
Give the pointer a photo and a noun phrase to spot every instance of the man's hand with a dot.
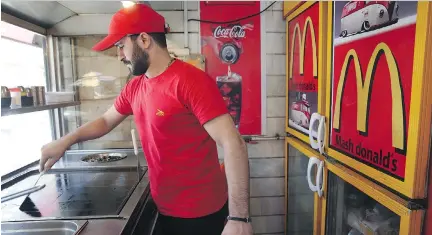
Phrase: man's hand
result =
(51, 153)
(237, 228)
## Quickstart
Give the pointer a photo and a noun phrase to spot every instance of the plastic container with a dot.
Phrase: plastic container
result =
(26, 101)
(15, 94)
(59, 97)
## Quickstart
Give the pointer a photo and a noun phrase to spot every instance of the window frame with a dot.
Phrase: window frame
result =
(49, 53)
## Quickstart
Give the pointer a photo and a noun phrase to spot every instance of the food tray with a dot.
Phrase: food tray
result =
(104, 157)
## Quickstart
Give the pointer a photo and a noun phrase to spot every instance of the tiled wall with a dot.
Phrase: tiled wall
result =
(266, 157)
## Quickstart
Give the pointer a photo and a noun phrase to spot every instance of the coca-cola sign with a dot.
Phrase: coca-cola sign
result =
(236, 31)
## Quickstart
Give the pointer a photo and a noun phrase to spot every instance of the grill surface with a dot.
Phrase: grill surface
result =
(69, 194)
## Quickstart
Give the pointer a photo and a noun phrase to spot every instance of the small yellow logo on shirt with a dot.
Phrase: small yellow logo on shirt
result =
(160, 113)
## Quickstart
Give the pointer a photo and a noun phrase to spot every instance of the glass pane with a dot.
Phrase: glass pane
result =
(350, 211)
(96, 78)
(22, 64)
(300, 203)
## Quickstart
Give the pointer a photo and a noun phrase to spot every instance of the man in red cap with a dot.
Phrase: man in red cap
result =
(180, 116)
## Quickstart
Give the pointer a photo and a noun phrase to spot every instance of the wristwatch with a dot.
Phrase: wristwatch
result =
(246, 220)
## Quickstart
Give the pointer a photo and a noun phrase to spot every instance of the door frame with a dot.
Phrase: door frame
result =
(411, 220)
(290, 6)
(308, 152)
(419, 130)
(295, 10)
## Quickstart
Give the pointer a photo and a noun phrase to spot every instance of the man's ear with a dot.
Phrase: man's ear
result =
(144, 41)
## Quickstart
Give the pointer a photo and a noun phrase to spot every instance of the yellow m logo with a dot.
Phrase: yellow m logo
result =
(364, 91)
(301, 42)
(160, 113)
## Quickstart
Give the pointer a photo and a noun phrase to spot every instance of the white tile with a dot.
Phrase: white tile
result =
(274, 21)
(276, 85)
(193, 5)
(193, 26)
(84, 44)
(263, 149)
(276, 106)
(267, 167)
(275, 43)
(266, 148)
(267, 206)
(115, 135)
(261, 187)
(176, 23)
(178, 40)
(276, 126)
(94, 109)
(268, 224)
(278, 6)
(108, 66)
(276, 64)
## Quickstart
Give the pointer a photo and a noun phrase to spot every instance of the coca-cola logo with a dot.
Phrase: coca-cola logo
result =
(236, 31)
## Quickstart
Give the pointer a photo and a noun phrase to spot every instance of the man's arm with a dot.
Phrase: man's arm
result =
(97, 128)
(223, 131)
(53, 151)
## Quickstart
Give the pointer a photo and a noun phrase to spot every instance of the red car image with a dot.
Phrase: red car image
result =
(300, 112)
(360, 16)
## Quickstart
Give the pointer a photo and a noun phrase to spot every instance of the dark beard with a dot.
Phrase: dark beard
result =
(140, 61)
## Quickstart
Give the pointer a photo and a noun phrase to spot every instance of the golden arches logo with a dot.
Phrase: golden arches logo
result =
(301, 42)
(364, 92)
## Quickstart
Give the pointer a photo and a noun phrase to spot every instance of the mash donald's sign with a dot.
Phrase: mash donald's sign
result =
(299, 38)
(371, 94)
(303, 37)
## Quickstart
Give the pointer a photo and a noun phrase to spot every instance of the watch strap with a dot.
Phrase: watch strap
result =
(246, 220)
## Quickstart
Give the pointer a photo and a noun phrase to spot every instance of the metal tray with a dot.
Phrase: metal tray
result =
(104, 157)
(43, 227)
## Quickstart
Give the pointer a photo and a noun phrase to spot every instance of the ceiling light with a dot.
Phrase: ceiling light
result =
(127, 3)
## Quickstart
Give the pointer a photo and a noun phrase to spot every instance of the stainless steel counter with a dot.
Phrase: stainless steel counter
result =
(112, 223)
(72, 159)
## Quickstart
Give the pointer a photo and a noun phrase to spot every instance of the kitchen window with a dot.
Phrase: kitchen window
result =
(23, 63)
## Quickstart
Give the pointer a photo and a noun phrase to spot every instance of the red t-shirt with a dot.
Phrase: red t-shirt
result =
(170, 111)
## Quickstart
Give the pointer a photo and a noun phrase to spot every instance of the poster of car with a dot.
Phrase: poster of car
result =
(373, 53)
(233, 54)
(303, 35)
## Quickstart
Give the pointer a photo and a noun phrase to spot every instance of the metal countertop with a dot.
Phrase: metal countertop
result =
(102, 224)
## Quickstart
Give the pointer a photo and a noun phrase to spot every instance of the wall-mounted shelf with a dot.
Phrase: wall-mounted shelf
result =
(29, 109)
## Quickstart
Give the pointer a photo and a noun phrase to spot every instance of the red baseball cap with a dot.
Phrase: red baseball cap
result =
(131, 20)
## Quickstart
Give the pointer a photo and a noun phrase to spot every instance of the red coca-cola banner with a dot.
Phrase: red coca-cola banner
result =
(233, 55)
